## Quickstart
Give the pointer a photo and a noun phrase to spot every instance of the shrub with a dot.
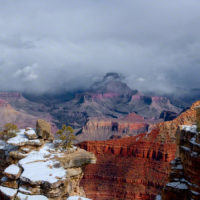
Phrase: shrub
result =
(9, 131)
(67, 137)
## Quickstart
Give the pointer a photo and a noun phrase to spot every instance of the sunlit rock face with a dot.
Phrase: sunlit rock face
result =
(108, 128)
(137, 167)
(34, 167)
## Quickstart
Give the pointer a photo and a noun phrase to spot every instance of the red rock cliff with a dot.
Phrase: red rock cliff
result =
(135, 167)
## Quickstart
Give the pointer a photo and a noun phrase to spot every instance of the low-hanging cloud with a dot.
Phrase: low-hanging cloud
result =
(50, 45)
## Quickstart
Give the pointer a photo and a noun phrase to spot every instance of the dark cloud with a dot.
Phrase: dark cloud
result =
(47, 45)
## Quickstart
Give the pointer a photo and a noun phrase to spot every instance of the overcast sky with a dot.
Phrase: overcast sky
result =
(51, 44)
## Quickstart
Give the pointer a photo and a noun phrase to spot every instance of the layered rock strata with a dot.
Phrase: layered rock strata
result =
(130, 168)
(134, 168)
(107, 128)
(33, 167)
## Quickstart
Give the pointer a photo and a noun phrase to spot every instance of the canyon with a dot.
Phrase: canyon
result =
(132, 135)
(108, 100)
(135, 167)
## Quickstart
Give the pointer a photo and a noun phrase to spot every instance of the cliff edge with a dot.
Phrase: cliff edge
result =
(33, 167)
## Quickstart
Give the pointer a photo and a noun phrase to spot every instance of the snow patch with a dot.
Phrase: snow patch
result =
(39, 166)
(192, 128)
(31, 197)
(31, 132)
(42, 171)
(19, 138)
(178, 185)
(8, 191)
(186, 148)
(24, 190)
(12, 169)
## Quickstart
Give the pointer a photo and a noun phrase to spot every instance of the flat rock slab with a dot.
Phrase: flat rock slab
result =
(8, 192)
(43, 173)
(13, 171)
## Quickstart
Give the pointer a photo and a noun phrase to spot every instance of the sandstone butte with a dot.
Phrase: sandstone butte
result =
(107, 128)
(34, 167)
(136, 167)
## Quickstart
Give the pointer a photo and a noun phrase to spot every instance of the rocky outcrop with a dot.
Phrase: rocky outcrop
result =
(134, 168)
(34, 167)
(184, 179)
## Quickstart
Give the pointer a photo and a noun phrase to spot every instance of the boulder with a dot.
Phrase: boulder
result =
(43, 129)
(76, 159)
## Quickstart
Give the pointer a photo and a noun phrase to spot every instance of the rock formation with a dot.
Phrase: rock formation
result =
(107, 98)
(34, 167)
(106, 128)
(184, 179)
(134, 168)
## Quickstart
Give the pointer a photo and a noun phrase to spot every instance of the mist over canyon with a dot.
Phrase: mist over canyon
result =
(120, 79)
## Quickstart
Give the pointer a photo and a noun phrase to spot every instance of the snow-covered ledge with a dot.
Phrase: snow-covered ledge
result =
(37, 169)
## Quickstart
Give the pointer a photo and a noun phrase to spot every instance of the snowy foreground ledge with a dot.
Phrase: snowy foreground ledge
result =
(41, 170)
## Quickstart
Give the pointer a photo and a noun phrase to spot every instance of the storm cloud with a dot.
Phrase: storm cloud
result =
(50, 45)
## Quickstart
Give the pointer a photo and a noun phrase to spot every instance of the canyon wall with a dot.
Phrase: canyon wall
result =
(107, 128)
(135, 167)
(184, 179)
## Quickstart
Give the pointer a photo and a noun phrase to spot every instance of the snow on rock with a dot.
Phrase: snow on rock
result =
(18, 139)
(39, 172)
(9, 192)
(192, 128)
(178, 185)
(21, 139)
(31, 197)
(13, 171)
(24, 190)
(186, 148)
(39, 167)
(77, 198)
(30, 133)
